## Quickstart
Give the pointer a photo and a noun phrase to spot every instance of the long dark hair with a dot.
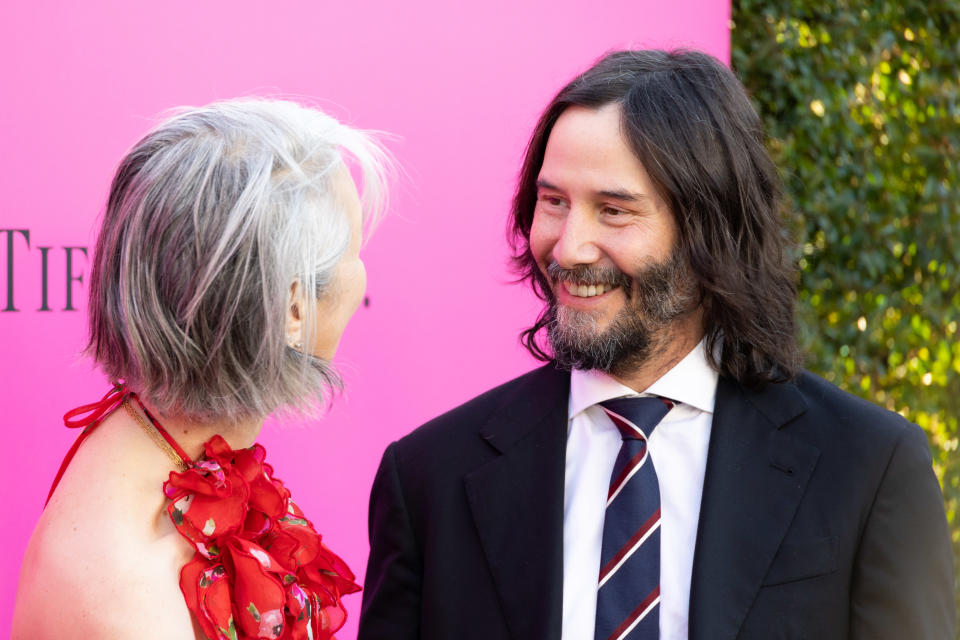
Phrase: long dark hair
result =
(690, 123)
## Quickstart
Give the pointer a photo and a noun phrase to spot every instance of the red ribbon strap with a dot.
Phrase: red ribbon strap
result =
(75, 418)
(88, 416)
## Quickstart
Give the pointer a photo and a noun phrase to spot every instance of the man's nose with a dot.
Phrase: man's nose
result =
(576, 244)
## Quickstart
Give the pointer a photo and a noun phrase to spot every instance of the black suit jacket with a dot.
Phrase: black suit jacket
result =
(821, 518)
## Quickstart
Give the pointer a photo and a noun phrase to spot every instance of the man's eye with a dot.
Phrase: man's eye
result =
(610, 211)
(553, 201)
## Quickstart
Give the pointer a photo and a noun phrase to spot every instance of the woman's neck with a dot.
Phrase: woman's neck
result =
(191, 434)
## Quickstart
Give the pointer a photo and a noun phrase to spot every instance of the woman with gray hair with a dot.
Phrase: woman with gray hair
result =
(225, 272)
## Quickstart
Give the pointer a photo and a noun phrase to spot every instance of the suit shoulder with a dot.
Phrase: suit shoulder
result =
(827, 401)
(468, 418)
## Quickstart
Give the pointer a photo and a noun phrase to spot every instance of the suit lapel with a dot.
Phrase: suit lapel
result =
(517, 503)
(755, 477)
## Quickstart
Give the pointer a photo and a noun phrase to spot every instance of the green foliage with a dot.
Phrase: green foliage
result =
(861, 102)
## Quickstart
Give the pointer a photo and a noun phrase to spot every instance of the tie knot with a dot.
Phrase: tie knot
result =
(637, 417)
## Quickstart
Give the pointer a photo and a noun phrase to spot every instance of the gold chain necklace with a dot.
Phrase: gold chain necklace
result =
(155, 435)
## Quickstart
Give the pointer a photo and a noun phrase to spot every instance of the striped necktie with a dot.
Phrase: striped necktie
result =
(628, 595)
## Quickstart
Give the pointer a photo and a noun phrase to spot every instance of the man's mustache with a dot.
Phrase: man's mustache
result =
(589, 274)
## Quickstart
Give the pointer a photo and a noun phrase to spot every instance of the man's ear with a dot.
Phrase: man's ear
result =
(295, 307)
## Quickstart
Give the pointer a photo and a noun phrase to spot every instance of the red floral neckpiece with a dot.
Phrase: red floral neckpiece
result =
(260, 569)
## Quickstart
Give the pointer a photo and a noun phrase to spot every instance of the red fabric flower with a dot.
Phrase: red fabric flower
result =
(260, 569)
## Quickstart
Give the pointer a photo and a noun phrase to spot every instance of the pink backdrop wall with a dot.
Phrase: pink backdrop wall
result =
(461, 84)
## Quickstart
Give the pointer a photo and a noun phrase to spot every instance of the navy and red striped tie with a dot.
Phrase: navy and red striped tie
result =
(628, 595)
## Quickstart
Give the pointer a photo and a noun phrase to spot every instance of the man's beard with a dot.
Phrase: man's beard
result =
(656, 297)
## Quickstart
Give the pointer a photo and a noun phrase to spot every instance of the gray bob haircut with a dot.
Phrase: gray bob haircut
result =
(212, 219)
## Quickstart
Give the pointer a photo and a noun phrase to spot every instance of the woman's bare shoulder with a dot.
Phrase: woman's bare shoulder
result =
(85, 577)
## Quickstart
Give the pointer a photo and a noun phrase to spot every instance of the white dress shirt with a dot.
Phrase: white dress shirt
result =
(678, 448)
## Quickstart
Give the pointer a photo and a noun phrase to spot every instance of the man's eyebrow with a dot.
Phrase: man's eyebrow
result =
(615, 194)
(622, 194)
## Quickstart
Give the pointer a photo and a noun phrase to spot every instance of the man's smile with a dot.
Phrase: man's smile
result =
(585, 290)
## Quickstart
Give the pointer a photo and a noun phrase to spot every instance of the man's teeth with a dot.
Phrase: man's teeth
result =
(585, 290)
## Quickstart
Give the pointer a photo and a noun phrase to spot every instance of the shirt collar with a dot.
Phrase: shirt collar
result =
(692, 381)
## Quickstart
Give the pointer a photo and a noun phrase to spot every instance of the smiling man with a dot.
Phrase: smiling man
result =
(623, 300)
(672, 472)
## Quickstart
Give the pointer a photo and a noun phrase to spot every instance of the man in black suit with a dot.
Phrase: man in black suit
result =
(647, 219)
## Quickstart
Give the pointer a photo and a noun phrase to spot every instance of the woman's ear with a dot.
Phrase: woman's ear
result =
(294, 328)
